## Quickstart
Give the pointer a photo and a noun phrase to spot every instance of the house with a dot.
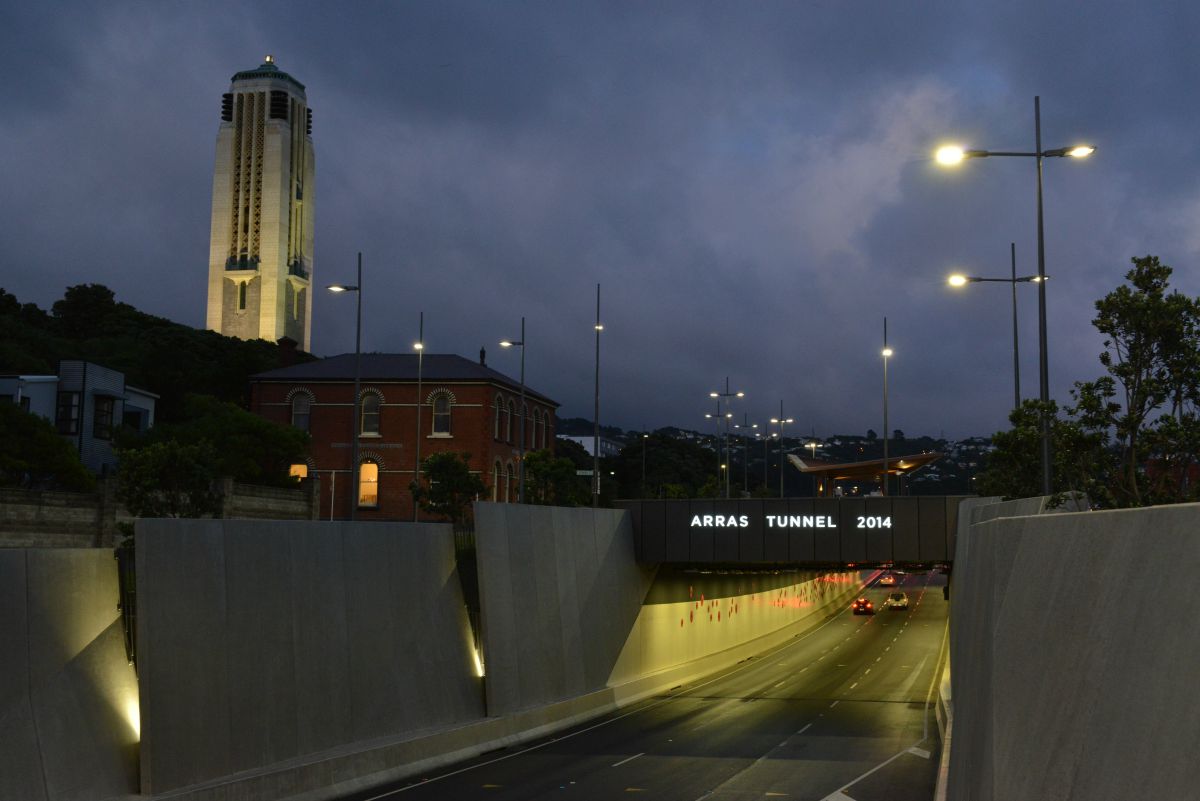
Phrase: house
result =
(87, 404)
(463, 406)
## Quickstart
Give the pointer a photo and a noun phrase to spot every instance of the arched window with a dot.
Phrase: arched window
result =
(496, 481)
(241, 304)
(368, 484)
(499, 406)
(508, 416)
(526, 428)
(441, 415)
(370, 414)
(301, 409)
(545, 424)
(508, 480)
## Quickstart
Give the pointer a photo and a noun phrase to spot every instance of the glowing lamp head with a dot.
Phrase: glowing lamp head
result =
(1081, 151)
(886, 352)
(506, 343)
(949, 155)
(741, 394)
(337, 288)
(957, 280)
(712, 394)
(418, 346)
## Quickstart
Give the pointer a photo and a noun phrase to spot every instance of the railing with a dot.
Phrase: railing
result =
(127, 597)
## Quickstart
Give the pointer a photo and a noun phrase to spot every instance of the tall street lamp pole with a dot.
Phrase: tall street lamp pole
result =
(746, 424)
(645, 437)
(356, 425)
(958, 280)
(887, 352)
(720, 396)
(419, 347)
(596, 415)
(953, 154)
(781, 420)
(507, 343)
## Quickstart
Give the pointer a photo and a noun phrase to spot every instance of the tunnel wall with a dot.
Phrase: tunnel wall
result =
(267, 641)
(1074, 642)
(68, 697)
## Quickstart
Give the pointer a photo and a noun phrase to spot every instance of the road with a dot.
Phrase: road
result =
(843, 712)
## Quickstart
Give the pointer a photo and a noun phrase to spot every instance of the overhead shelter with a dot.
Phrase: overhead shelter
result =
(829, 474)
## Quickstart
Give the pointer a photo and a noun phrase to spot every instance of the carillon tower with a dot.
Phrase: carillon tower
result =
(261, 251)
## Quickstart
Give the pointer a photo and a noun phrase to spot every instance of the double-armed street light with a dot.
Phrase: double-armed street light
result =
(781, 421)
(957, 280)
(508, 343)
(596, 414)
(356, 425)
(419, 347)
(725, 396)
(950, 155)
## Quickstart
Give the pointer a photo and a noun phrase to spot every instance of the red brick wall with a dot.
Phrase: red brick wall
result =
(330, 424)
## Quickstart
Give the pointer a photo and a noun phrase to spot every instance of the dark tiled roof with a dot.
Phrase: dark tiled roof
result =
(397, 367)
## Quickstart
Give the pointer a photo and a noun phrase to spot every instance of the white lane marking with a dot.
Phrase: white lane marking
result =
(878, 658)
(629, 759)
(852, 686)
(806, 728)
(921, 752)
(806, 667)
(867, 671)
(835, 703)
(888, 648)
(838, 795)
(780, 684)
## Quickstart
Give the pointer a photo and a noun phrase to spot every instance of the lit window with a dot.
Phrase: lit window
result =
(66, 416)
(301, 408)
(441, 415)
(102, 417)
(368, 484)
(370, 414)
(298, 471)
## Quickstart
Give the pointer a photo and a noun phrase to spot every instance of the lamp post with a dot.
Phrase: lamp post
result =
(887, 353)
(781, 420)
(766, 460)
(419, 347)
(645, 437)
(716, 418)
(953, 154)
(720, 396)
(746, 424)
(355, 426)
(812, 446)
(596, 416)
(508, 343)
(958, 280)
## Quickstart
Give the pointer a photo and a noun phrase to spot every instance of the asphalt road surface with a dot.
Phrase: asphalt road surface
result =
(843, 712)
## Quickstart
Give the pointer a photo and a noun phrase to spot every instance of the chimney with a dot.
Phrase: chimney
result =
(482, 357)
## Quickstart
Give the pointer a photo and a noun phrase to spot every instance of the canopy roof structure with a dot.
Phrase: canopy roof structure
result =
(870, 470)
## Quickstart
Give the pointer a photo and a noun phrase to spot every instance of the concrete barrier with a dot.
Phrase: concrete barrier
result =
(268, 645)
(68, 697)
(1072, 676)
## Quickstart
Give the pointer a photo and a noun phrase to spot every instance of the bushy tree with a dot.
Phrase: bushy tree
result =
(673, 466)
(448, 486)
(34, 456)
(551, 480)
(170, 479)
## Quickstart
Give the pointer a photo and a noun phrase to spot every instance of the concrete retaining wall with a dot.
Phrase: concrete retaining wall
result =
(559, 591)
(1074, 649)
(268, 641)
(68, 698)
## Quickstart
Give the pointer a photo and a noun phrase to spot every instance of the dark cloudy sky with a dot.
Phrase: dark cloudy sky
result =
(751, 183)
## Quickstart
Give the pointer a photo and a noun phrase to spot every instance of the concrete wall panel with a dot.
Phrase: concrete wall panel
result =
(68, 698)
(267, 641)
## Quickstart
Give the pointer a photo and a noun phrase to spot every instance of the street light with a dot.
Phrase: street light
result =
(958, 280)
(354, 428)
(596, 415)
(745, 442)
(953, 154)
(781, 421)
(419, 347)
(645, 437)
(887, 354)
(508, 343)
(720, 396)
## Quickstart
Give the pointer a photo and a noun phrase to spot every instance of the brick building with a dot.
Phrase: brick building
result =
(465, 407)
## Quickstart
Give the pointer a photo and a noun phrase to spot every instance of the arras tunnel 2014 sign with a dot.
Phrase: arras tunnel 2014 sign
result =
(825, 531)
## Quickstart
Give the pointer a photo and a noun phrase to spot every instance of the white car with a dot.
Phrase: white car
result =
(897, 600)
(887, 580)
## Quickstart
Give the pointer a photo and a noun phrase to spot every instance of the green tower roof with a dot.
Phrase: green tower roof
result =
(267, 70)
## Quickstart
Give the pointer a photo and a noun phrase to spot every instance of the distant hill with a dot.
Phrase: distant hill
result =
(156, 354)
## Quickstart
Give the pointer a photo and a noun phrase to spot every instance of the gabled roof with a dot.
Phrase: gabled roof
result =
(397, 367)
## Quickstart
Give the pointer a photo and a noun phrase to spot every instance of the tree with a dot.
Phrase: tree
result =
(246, 447)
(169, 479)
(448, 486)
(551, 481)
(34, 456)
(677, 464)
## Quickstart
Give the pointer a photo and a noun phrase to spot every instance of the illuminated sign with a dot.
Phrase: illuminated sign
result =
(788, 521)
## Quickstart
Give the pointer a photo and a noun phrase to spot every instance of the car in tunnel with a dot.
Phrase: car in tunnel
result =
(897, 600)
(862, 606)
(887, 579)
